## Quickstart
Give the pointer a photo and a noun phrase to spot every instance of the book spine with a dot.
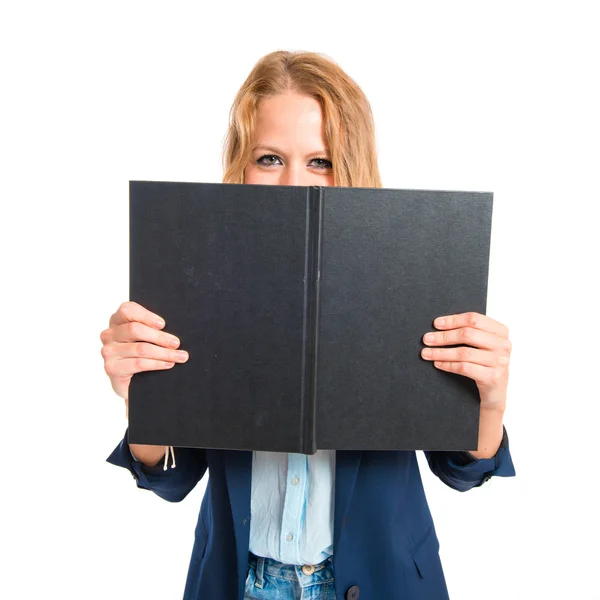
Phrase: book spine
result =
(312, 278)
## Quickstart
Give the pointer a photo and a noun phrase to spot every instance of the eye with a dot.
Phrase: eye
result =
(266, 160)
(327, 164)
(266, 164)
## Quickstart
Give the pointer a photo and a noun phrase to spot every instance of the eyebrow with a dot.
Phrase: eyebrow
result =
(278, 151)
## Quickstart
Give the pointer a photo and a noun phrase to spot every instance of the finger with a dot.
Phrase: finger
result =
(132, 311)
(147, 350)
(467, 336)
(480, 374)
(125, 367)
(136, 331)
(472, 319)
(465, 354)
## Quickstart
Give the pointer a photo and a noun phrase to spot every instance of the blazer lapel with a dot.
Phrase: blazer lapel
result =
(238, 473)
(347, 463)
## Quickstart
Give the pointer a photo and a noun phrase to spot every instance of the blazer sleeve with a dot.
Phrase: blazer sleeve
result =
(172, 485)
(462, 471)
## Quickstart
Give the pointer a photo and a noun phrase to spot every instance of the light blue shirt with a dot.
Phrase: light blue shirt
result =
(292, 505)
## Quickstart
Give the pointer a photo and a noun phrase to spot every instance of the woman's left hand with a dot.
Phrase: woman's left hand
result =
(486, 361)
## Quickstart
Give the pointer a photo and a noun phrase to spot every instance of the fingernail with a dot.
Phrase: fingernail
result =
(174, 342)
(159, 323)
(182, 354)
(439, 322)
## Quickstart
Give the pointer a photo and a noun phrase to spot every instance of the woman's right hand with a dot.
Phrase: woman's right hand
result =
(133, 343)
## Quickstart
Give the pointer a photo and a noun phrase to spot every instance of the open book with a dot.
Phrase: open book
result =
(303, 310)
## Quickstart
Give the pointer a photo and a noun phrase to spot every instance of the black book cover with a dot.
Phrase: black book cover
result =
(303, 310)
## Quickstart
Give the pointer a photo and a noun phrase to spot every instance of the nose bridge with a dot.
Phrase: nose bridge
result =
(294, 173)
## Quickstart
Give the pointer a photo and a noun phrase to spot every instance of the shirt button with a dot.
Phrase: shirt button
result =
(308, 569)
(289, 537)
(295, 481)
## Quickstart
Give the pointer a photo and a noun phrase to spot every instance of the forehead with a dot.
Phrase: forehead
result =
(289, 118)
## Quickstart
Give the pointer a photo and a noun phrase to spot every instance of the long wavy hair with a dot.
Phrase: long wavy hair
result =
(347, 115)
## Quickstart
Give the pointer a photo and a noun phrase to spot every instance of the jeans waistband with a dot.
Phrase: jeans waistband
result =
(322, 572)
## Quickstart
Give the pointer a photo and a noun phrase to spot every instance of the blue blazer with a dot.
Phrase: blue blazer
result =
(385, 543)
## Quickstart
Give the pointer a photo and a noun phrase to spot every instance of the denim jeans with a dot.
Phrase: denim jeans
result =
(268, 579)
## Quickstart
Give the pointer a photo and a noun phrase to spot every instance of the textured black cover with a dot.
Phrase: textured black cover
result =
(303, 310)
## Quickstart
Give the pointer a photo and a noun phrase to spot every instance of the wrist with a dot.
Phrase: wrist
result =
(148, 455)
(491, 431)
(494, 410)
(493, 401)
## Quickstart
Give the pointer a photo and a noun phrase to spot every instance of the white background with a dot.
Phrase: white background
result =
(499, 97)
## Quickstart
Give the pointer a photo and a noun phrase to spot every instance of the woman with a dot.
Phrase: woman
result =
(274, 526)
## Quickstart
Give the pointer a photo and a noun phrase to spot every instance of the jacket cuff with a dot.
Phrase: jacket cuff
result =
(122, 456)
(499, 465)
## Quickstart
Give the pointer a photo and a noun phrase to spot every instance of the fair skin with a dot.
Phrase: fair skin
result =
(289, 148)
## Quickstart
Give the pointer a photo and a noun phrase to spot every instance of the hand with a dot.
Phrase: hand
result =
(486, 362)
(133, 342)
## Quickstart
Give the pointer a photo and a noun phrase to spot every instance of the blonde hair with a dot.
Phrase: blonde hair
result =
(347, 115)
